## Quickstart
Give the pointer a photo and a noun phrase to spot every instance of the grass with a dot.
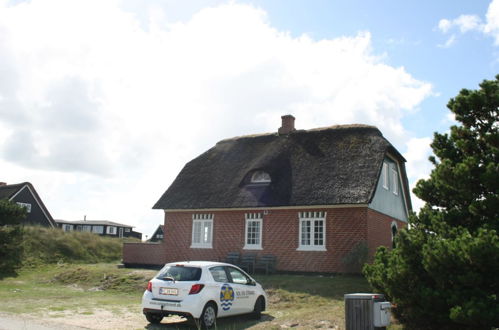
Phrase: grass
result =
(56, 291)
(51, 245)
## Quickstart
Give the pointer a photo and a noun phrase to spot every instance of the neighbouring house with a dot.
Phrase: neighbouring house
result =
(25, 195)
(307, 197)
(158, 235)
(101, 227)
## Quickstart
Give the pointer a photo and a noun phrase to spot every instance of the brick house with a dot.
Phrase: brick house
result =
(306, 196)
(25, 195)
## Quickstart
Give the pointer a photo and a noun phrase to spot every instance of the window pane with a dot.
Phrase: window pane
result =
(181, 273)
(197, 232)
(253, 232)
(385, 175)
(219, 274)
(207, 232)
(318, 232)
(305, 232)
(237, 276)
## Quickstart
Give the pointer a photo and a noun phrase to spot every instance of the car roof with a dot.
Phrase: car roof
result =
(199, 263)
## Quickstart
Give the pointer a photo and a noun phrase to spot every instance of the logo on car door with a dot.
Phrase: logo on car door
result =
(226, 296)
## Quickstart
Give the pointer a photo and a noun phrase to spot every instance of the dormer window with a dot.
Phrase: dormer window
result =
(260, 177)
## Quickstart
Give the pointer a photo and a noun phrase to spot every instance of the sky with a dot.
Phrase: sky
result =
(103, 102)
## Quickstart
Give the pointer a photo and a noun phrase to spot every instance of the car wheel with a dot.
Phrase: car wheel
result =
(154, 318)
(209, 315)
(257, 311)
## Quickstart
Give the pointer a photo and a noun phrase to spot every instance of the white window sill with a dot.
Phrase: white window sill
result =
(201, 247)
(311, 248)
(252, 247)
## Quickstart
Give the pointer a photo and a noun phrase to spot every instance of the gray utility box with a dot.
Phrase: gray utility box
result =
(366, 311)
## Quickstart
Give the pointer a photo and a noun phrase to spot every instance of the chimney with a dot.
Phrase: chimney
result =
(288, 124)
(3, 183)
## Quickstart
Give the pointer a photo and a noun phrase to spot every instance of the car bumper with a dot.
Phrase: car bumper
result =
(191, 305)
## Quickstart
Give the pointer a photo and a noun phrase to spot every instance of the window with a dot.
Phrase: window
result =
(394, 233)
(86, 228)
(98, 229)
(219, 274)
(202, 231)
(111, 230)
(385, 176)
(395, 186)
(312, 229)
(66, 227)
(237, 276)
(127, 230)
(27, 206)
(253, 235)
(180, 273)
(159, 236)
(260, 177)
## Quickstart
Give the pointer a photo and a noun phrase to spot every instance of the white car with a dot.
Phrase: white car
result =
(202, 290)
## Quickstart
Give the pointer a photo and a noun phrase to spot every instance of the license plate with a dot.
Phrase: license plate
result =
(168, 291)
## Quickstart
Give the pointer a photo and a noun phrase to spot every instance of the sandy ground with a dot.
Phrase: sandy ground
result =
(97, 320)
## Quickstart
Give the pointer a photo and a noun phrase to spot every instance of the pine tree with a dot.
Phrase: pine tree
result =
(11, 235)
(444, 271)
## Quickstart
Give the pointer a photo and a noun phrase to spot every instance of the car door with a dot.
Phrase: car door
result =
(244, 291)
(223, 290)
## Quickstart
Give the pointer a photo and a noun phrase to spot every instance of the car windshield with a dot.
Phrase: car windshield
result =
(180, 273)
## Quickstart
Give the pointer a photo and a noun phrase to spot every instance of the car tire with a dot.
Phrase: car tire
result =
(257, 310)
(209, 316)
(154, 318)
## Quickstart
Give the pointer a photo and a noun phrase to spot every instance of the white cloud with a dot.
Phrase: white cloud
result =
(467, 23)
(101, 107)
(418, 165)
(449, 42)
(492, 26)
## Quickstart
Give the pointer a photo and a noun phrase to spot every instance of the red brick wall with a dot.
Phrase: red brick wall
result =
(344, 228)
(144, 253)
(379, 228)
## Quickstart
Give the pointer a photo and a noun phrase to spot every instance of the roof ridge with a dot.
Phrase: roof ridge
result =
(317, 129)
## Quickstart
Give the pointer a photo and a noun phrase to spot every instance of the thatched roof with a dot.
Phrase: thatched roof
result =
(327, 166)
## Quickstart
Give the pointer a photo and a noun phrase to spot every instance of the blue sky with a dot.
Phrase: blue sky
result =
(103, 102)
(407, 34)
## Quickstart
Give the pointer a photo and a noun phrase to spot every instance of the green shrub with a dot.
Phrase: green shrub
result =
(10, 237)
(443, 272)
(356, 258)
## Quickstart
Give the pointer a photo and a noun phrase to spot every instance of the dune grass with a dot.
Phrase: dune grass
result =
(305, 302)
(48, 245)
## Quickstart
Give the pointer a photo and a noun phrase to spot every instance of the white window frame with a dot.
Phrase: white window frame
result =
(250, 219)
(86, 228)
(66, 227)
(312, 217)
(204, 240)
(385, 175)
(111, 230)
(395, 186)
(27, 206)
(98, 229)
(260, 177)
